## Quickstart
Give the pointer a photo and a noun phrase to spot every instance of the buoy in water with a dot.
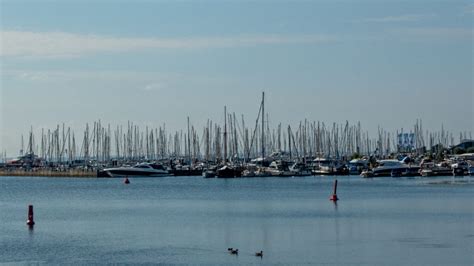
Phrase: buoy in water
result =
(334, 195)
(126, 181)
(30, 222)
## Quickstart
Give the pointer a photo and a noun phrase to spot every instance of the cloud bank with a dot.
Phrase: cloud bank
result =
(401, 18)
(63, 44)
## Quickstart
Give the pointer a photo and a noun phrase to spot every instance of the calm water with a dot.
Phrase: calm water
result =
(191, 220)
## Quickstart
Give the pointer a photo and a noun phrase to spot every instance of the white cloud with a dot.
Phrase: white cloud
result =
(78, 75)
(442, 33)
(154, 86)
(469, 10)
(63, 44)
(401, 18)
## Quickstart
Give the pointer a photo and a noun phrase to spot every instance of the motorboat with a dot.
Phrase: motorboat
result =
(323, 166)
(228, 171)
(251, 170)
(140, 170)
(395, 168)
(367, 174)
(470, 171)
(208, 174)
(183, 169)
(300, 169)
(460, 164)
(357, 166)
(279, 168)
(432, 169)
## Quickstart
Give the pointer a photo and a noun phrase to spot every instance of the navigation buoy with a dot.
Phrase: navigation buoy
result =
(126, 181)
(30, 222)
(334, 195)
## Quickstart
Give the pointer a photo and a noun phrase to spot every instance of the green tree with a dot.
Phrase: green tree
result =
(355, 155)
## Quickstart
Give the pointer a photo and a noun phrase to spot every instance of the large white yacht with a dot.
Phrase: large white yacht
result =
(394, 168)
(140, 170)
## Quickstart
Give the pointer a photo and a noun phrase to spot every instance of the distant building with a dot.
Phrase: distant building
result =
(406, 142)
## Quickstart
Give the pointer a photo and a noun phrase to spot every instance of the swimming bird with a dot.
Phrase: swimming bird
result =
(259, 254)
(230, 249)
(234, 252)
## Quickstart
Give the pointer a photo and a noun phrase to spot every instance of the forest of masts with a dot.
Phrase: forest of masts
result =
(234, 140)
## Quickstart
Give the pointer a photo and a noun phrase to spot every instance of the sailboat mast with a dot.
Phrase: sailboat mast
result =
(263, 124)
(188, 145)
(225, 134)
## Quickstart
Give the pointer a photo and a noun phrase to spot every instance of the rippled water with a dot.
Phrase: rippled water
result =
(191, 220)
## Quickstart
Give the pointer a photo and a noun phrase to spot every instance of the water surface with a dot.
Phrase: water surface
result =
(191, 220)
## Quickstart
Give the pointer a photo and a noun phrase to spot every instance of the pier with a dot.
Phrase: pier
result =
(48, 173)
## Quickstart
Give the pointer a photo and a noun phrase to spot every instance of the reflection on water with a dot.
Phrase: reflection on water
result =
(192, 220)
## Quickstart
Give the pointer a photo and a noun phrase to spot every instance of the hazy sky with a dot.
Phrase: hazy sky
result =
(382, 63)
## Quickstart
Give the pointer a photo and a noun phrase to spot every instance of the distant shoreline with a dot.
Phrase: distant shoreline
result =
(49, 173)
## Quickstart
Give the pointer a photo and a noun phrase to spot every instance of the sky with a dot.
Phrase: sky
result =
(383, 63)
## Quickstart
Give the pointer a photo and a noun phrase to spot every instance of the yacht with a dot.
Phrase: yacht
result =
(471, 170)
(300, 169)
(323, 166)
(279, 168)
(252, 170)
(357, 166)
(432, 169)
(228, 171)
(395, 168)
(460, 168)
(209, 171)
(140, 170)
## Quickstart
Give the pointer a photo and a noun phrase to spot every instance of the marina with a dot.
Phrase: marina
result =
(311, 132)
(235, 150)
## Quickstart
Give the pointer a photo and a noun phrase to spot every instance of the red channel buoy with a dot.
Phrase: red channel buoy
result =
(126, 181)
(334, 195)
(30, 222)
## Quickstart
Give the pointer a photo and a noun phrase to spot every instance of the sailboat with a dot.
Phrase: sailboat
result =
(227, 171)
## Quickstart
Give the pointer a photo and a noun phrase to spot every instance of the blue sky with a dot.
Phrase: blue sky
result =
(381, 63)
